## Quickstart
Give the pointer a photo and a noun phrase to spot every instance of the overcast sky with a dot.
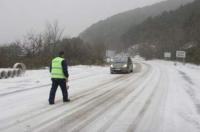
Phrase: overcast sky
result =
(17, 17)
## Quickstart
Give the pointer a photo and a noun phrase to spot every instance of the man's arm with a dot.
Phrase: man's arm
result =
(65, 68)
(50, 67)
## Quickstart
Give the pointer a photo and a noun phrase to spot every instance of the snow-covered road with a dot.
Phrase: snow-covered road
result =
(157, 97)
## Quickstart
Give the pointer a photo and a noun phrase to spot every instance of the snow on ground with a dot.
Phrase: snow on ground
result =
(158, 97)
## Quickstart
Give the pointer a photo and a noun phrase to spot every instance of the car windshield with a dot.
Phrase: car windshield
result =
(120, 60)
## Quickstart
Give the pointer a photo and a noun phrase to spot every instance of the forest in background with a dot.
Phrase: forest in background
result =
(113, 28)
(150, 31)
(168, 32)
(36, 50)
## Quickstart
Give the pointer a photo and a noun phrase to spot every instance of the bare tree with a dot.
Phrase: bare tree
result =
(33, 43)
(53, 34)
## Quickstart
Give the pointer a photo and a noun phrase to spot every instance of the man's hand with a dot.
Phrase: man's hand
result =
(67, 81)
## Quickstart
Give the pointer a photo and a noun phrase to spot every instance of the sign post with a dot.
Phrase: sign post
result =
(181, 55)
(167, 55)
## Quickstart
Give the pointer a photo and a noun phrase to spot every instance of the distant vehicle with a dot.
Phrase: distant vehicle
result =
(121, 65)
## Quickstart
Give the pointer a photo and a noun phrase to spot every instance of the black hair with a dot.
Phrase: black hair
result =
(61, 53)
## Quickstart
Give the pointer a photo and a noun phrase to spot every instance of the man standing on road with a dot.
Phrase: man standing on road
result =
(59, 77)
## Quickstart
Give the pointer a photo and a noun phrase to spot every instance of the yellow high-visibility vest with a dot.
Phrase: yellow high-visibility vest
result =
(56, 68)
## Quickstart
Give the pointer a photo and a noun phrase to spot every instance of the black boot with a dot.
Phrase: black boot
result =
(51, 103)
(67, 100)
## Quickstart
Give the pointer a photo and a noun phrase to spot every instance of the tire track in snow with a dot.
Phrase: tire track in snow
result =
(151, 116)
(136, 86)
(85, 112)
(133, 126)
(132, 98)
(114, 100)
(75, 108)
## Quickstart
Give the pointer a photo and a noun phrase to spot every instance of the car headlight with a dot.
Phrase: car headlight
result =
(111, 66)
(125, 65)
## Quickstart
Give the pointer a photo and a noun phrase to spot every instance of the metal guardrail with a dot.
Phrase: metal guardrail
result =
(17, 70)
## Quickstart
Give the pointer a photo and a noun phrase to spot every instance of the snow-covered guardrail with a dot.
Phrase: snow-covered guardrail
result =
(17, 70)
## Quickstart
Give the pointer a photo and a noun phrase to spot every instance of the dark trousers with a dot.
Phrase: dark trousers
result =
(55, 84)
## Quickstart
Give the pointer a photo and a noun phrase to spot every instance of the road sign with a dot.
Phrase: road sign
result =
(180, 54)
(167, 55)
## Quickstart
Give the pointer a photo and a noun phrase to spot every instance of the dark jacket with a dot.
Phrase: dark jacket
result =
(64, 67)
